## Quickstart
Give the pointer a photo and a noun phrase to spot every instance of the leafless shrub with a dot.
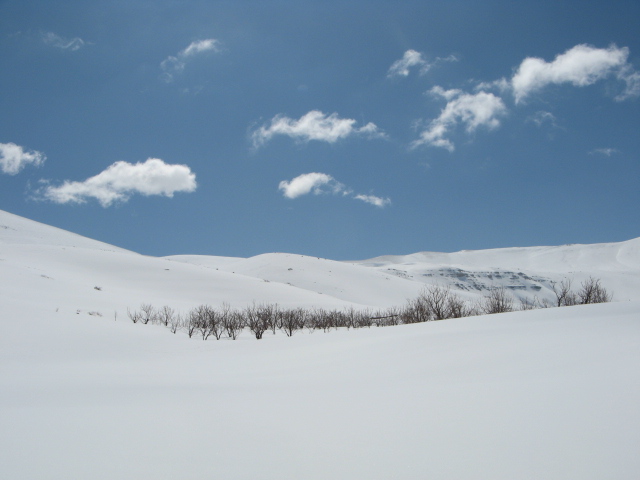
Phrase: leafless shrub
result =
(133, 316)
(233, 322)
(458, 308)
(498, 301)
(388, 317)
(350, 318)
(591, 291)
(273, 316)
(314, 319)
(564, 296)
(176, 322)
(292, 320)
(192, 322)
(526, 304)
(207, 321)
(363, 319)
(417, 311)
(437, 299)
(216, 323)
(165, 315)
(334, 320)
(257, 319)
(147, 313)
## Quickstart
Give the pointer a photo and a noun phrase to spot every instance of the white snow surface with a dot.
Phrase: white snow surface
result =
(85, 393)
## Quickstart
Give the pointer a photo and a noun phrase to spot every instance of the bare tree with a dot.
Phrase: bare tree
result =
(526, 304)
(233, 322)
(363, 319)
(257, 320)
(436, 299)
(147, 313)
(458, 308)
(133, 316)
(292, 320)
(591, 291)
(274, 316)
(176, 323)
(417, 311)
(498, 301)
(165, 315)
(192, 322)
(385, 318)
(216, 324)
(350, 318)
(564, 296)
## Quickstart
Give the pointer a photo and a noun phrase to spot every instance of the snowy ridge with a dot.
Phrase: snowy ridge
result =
(15, 230)
(526, 271)
(69, 265)
(347, 282)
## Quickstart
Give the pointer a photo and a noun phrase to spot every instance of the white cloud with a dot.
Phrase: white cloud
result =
(320, 183)
(121, 180)
(541, 117)
(580, 66)
(438, 91)
(316, 183)
(412, 58)
(607, 152)
(373, 200)
(57, 41)
(173, 65)
(632, 80)
(502, 85)
(481, 109)
(14, 158)
(200, 46)
(314, 125)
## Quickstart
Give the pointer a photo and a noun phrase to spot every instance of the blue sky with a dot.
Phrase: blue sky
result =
(343, 130)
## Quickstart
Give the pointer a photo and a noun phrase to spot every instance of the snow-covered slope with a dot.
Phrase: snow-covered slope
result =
(549, 393)
(15, 230)
(347, 282)
(66, 272)
(527, 272)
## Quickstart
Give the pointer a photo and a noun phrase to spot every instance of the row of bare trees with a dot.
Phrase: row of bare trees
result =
(434, 303)
(590, 291)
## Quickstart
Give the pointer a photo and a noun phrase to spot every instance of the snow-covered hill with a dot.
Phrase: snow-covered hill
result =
(526, 272)
(85, 393)
(69, 269)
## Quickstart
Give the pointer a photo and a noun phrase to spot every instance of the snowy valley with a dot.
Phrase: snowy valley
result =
(548, 393)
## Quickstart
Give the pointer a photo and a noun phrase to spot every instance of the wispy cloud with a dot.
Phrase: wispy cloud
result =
(121, 180)
(71, 44)
(476, 110)
(579, 66)
(373, 200)
(414, 59)
(631, 78)
(173, 65)
(316, 183)
(541, 117)
(314, 125)
(410, 59)
(606, 152)
(320, 183)
(14, 158)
